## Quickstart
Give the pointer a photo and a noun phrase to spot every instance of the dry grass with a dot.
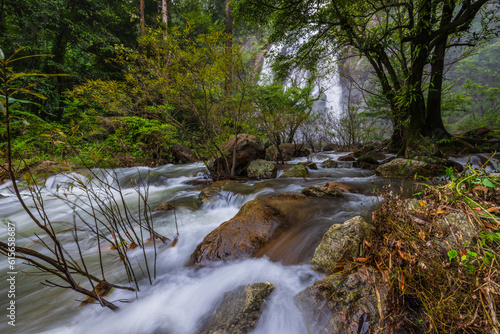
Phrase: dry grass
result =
(443, 278)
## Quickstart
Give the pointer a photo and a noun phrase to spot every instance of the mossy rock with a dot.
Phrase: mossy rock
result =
(296, 171)
(329, 164)
(240, 309)
(322, 191)
(262, 169)
(367, 159)
(345, 303)
(341, 241)
(409, 168)
(309, 164)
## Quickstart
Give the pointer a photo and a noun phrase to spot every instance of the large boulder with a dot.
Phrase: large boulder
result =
(182, 154)
(262, 169)
(288, 151)
(248, 149)
(240, 310)
(421, 167)
(341, 241)
(257, 223)
(345, 303)
(296, 171)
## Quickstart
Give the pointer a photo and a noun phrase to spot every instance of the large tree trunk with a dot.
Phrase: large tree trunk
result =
(143, 23)
(434, 126)
(164, 17)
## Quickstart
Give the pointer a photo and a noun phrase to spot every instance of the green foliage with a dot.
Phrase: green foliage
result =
(143, 139)
(281, 111)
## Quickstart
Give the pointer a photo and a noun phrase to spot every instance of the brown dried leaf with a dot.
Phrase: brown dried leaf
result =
(418, 220)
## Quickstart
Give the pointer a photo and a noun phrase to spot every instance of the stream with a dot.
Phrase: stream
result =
(180, 296)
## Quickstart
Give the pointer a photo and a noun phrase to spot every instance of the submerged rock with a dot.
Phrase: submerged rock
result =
(341, 241)
(296, 171)
(262, 169)
(345, 303)
(257, 223)
(240, 310)
(212, 193)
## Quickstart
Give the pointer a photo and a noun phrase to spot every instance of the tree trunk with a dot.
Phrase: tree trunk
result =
(434, 126)
(143, 23)
(164, 17)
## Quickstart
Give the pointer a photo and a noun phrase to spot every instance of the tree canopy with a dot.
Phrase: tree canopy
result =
(405, 42)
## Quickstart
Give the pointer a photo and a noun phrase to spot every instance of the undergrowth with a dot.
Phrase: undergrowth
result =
(439, 251)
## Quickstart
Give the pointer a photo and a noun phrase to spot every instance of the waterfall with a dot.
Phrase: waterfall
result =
(327, 87)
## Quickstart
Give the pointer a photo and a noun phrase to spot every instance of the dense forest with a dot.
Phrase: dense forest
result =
(217, 95)
(121, 83)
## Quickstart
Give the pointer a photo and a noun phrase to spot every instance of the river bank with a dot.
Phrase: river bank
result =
(163, 306)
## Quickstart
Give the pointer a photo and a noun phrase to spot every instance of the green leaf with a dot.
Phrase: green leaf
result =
(452, 254)
(488, 183)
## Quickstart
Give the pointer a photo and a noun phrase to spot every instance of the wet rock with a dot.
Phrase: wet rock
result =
(240, 310)
(182, 154)
(363, 150)
(309, 164)
(164, 207)
(341, 241)
(257, 223)
(248, 149)
(367, 162)
(348, 157)
(212, 193)
(329, 164)
(262, 169)
(296, 171)
(329, 189)
(367, 159)
(288, 151)
(421, 167)
(345, 303)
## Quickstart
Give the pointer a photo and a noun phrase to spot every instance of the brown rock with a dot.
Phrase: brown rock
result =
(182, 154)
(348, 157)
(257, 223)
(164, 207)
(248, 149)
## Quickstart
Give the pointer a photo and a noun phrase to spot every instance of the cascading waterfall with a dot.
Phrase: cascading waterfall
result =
(327, 87)
(180, 296)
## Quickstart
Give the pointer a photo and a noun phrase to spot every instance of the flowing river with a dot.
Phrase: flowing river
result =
(180, 296)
